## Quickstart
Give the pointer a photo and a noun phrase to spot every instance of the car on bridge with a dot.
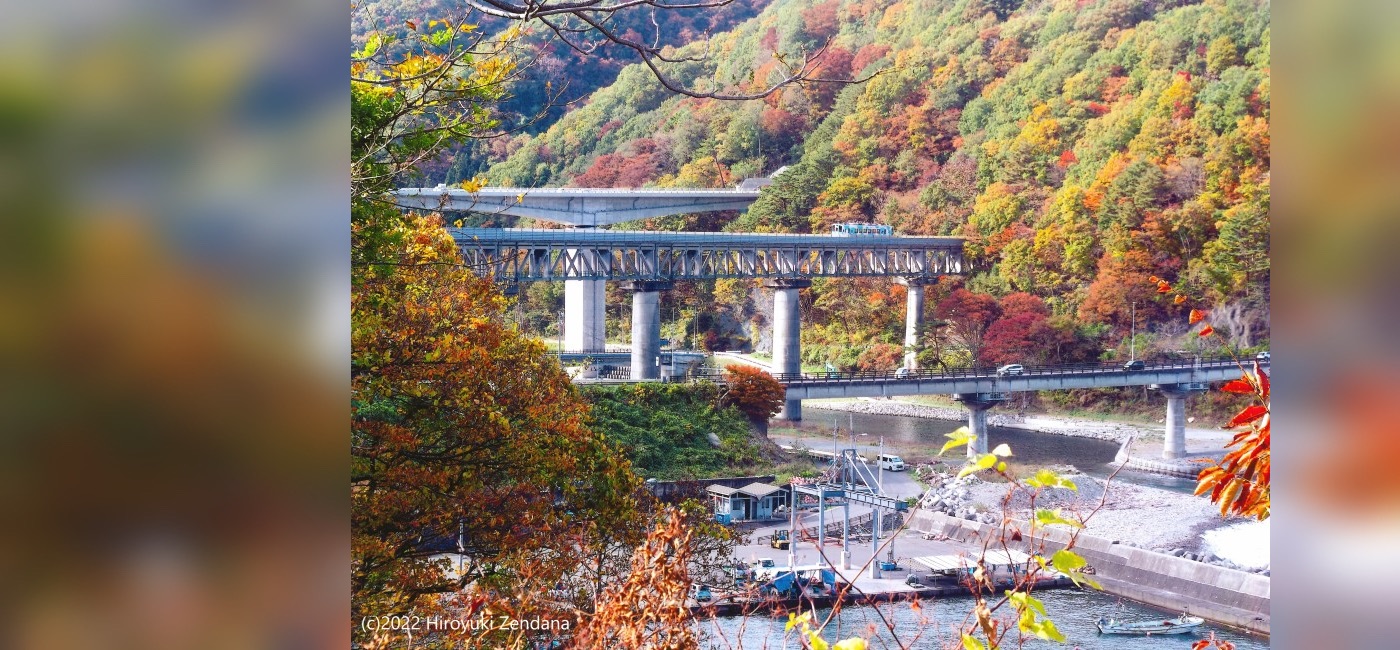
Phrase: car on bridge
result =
(1011, 370)
(1263, 356)
(901, 373)
(1135, 364)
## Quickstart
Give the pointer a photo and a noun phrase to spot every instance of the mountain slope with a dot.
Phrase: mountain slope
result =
(1082, 147)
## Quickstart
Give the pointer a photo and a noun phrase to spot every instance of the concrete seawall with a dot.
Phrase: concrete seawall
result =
(1227, 596)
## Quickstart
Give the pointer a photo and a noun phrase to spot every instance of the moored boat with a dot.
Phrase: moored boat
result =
(1179, 625)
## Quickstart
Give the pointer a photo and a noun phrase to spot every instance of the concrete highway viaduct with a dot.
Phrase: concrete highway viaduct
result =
(585, 257)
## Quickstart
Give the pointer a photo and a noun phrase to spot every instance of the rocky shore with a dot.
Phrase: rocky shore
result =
(1135, 515)
(1132, 515)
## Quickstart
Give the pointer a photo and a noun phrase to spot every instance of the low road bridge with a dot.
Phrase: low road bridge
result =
(981, 388)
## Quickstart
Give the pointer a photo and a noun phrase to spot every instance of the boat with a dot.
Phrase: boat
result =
(1179, 625)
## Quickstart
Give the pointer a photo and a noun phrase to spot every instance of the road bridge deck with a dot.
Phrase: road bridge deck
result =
(986, 381)
(582, 207)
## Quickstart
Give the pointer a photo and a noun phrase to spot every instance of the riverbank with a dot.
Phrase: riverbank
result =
(1145, 516)
(1098, 429)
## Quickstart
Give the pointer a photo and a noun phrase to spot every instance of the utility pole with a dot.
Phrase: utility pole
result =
(879, 461)
(1132, 339)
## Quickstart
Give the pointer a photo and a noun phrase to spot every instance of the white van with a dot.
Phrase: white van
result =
(891, 462)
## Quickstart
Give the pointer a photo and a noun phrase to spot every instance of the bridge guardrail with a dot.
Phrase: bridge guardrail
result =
(988, 371)
(1114, 367)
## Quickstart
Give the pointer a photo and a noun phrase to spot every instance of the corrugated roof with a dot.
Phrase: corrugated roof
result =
(759, 490)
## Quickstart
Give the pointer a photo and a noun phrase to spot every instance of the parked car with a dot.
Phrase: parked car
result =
(1263, 356)
(901, 373)
(1011, 370)
(891, 462)
(1135, 364)
(700, 593)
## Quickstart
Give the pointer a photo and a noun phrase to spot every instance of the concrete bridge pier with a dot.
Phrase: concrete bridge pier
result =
(585, 307)
(646, 328)
(787, 335)
(977, 405)
(913, 317)
(1174, 440)
(585, 327)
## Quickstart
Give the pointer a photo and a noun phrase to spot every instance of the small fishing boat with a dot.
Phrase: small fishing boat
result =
(1179, 625)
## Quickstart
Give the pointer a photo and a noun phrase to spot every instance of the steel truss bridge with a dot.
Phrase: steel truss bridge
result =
(530, 255)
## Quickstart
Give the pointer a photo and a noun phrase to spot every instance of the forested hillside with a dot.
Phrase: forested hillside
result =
(552, 75)
(1082, 147)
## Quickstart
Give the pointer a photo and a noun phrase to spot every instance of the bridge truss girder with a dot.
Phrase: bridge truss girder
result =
(571, 255)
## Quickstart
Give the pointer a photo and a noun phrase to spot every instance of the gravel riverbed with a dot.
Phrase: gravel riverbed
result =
(1138, 515)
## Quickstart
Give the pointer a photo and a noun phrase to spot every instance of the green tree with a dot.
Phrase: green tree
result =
(1222, 54)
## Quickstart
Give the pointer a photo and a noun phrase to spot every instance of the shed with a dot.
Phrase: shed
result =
(755, 501)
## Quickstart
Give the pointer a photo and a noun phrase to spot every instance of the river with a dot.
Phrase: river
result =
(1073, 612)
(919, 439)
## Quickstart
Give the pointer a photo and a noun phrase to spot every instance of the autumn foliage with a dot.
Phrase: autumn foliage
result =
(648, 609)
(465, 437)
(754, 392)
(1239, 484)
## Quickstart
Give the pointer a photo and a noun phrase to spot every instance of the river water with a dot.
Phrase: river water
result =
(1073, 612)
(922, 438)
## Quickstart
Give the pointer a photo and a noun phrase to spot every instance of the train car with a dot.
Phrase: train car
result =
(849, 229)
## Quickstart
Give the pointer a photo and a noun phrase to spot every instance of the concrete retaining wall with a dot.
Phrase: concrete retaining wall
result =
(1227, 596)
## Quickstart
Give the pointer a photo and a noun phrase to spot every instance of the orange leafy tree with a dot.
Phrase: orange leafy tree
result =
(474, 473)
(1239, 484)
(754, 392)
(648, 609)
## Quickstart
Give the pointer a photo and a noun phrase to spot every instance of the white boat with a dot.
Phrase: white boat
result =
(1179, 625)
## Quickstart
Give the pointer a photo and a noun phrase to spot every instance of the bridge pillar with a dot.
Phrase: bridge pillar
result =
(1174, 440)
(913, 317)
(584, 316)
(977, 405)
(646, 328)
(585, 305)
(787, 333)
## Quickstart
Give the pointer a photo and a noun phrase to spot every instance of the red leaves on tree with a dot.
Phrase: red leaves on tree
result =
(1238, 386)
(754, 392)
(1250, 414)
(1240, 483)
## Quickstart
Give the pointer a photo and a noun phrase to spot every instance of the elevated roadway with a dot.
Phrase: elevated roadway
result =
(578, 207)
